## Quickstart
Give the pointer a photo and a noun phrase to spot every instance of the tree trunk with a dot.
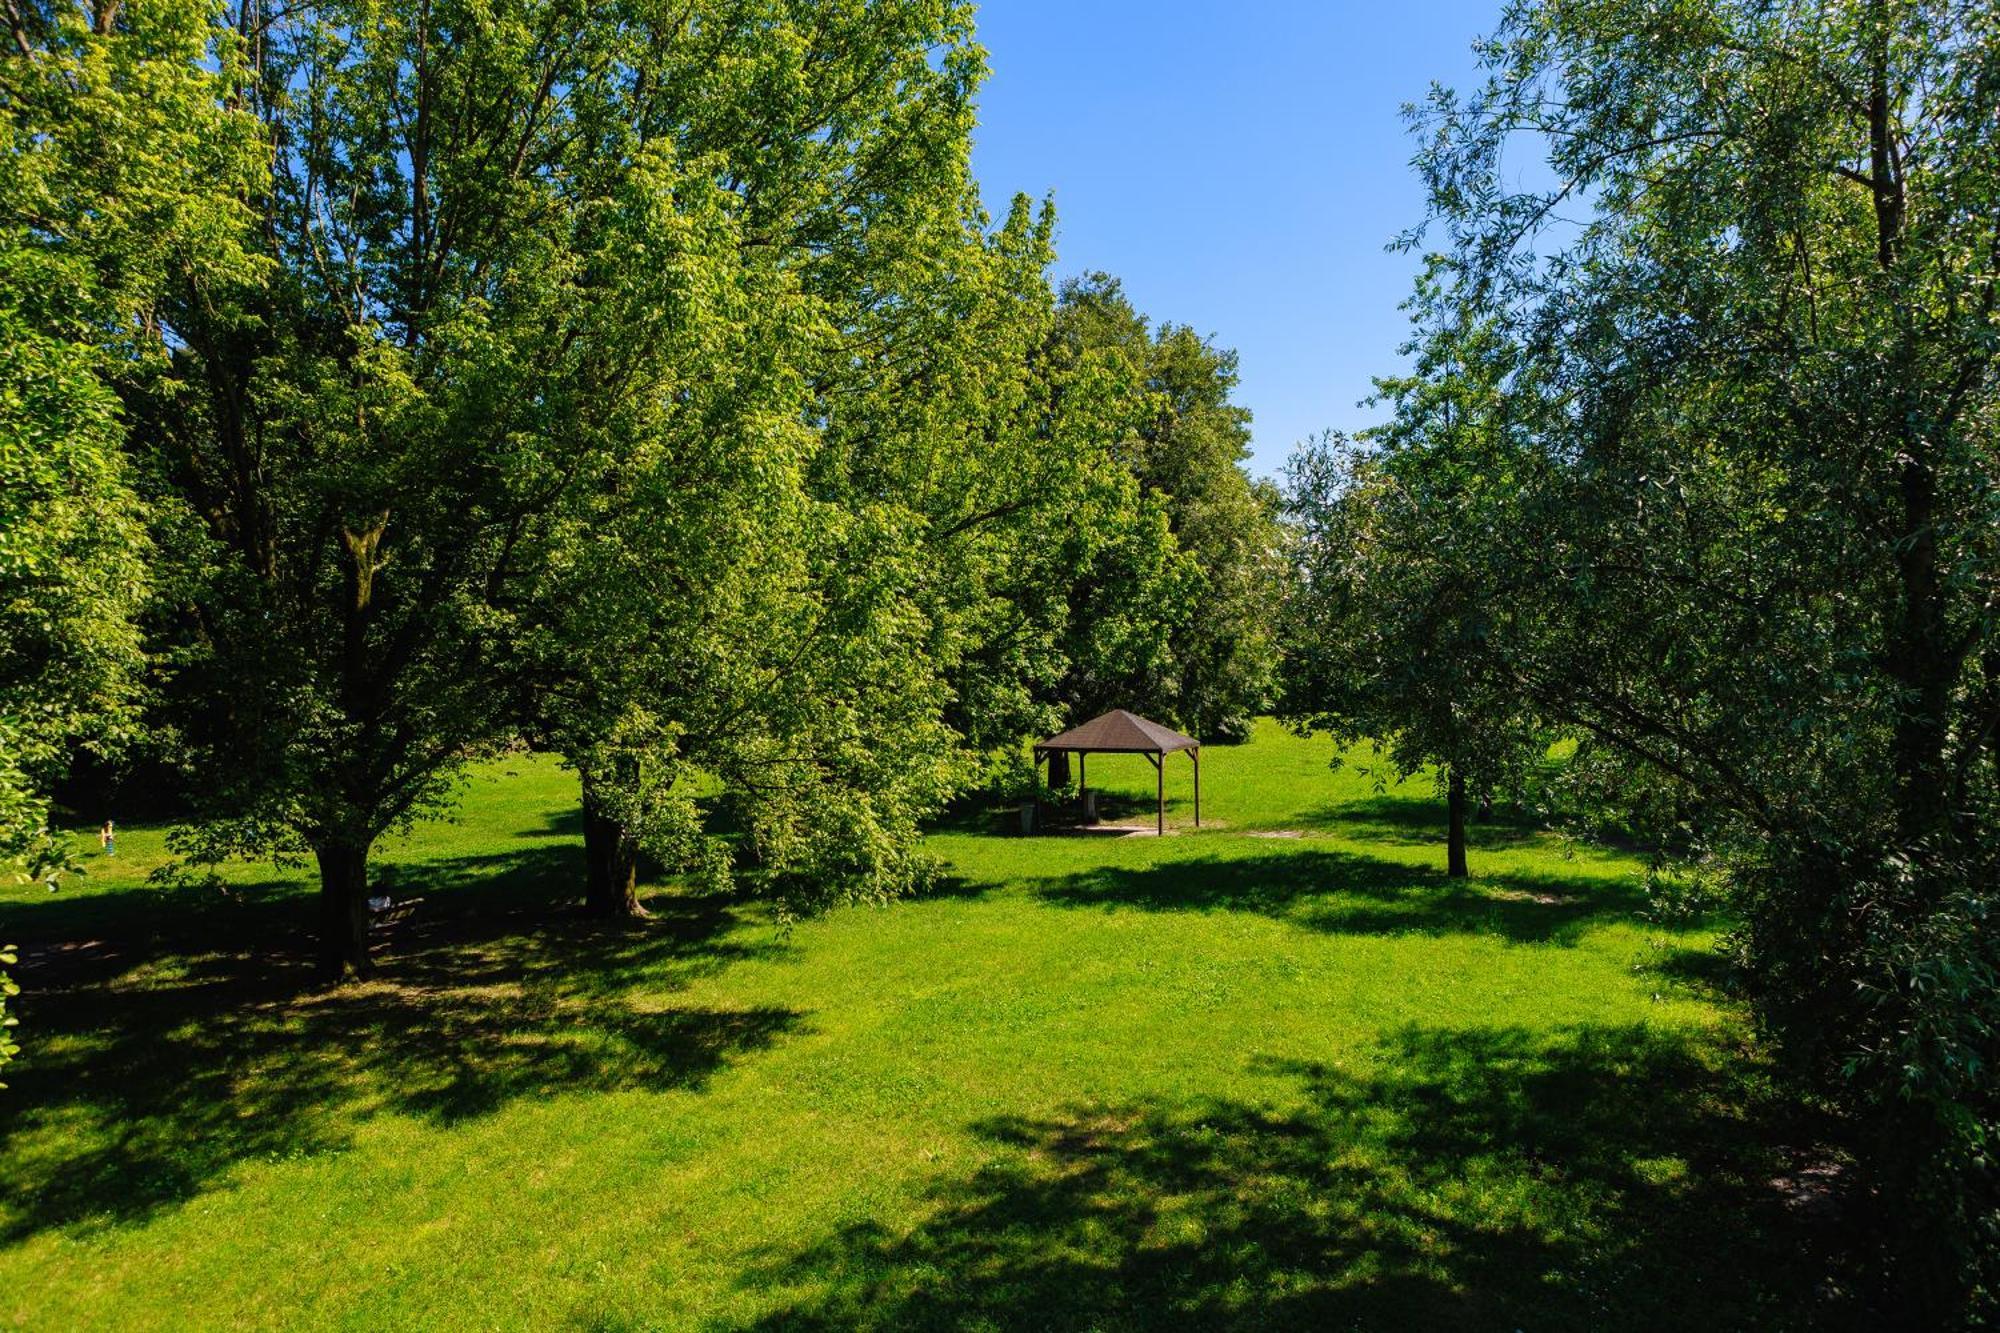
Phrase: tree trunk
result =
(1455, 865)
(343, 910)
(1919, 656)
(1990, 666)
(611, 861)
(1922, 663)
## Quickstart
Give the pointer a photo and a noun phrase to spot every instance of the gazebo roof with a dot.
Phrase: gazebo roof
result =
(1120, 732)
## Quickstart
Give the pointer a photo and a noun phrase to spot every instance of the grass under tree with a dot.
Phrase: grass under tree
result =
(1216, 1078)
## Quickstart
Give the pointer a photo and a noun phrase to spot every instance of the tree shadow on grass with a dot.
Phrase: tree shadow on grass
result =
(1419, 821)
(152, 1069)
(565, 823)
(1590, 1178)
(985, 816)
(1348, 893)
(1710, 972)
(1127, 808)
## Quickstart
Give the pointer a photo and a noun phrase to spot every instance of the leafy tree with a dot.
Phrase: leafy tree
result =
(726, 649)
(1400, 599)
(782, 550)
(118, 173)
(948, 408)
(953, 415)
(71, 572)
(1384, 625)
(653, 617)
(1201, 652)
(1747, 537)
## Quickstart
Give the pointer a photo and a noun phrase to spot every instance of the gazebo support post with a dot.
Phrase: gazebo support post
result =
(1082, 783)
(1195, 754)
(1160, 791)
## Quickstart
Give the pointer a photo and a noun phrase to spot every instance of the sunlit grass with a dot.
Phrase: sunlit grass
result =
(1208, 1079)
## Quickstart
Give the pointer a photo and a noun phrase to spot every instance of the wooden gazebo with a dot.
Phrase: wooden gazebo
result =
(1120, 732)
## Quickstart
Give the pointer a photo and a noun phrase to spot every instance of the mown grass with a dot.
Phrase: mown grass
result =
(1213, 1079)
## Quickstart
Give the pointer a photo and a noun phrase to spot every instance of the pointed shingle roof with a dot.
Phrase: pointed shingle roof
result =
(1120, 732)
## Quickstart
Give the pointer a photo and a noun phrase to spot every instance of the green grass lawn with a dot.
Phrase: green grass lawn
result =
(1207, 1080)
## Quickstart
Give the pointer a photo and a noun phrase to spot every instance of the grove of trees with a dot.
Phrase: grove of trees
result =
(389, 384)
(1696, 465)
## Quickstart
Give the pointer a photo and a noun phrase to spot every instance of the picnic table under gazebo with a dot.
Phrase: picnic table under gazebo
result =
(1120, 732)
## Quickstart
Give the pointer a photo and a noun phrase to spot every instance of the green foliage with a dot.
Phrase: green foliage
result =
(1181, 633)
(654, 378)
(776, 581)
(946, 423)
(1384, 620)
(118, 166)
(1390, 604)
(1733, 520)
(70, 575)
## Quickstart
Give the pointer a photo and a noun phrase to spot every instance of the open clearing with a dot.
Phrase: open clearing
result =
(1212, 1079)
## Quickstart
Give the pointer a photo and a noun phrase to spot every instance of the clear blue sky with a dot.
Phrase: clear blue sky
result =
(1241, 167)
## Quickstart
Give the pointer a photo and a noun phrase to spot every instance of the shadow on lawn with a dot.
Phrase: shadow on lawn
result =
(1347, 893)
(1615, 1177)
(154, 1066)
(983, 816)
(1418, 821)
(567, 823)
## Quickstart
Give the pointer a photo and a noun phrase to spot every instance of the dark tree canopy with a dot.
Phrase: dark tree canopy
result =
(1729, 515)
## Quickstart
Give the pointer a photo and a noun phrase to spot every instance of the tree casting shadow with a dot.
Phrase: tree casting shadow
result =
(1591, 1178)
(158, 1062)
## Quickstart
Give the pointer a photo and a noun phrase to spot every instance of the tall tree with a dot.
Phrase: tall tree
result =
(1184, 442)
(764, 546)
(120, 173)
(1396, 598)
(1749, 541)
(1384, 626)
